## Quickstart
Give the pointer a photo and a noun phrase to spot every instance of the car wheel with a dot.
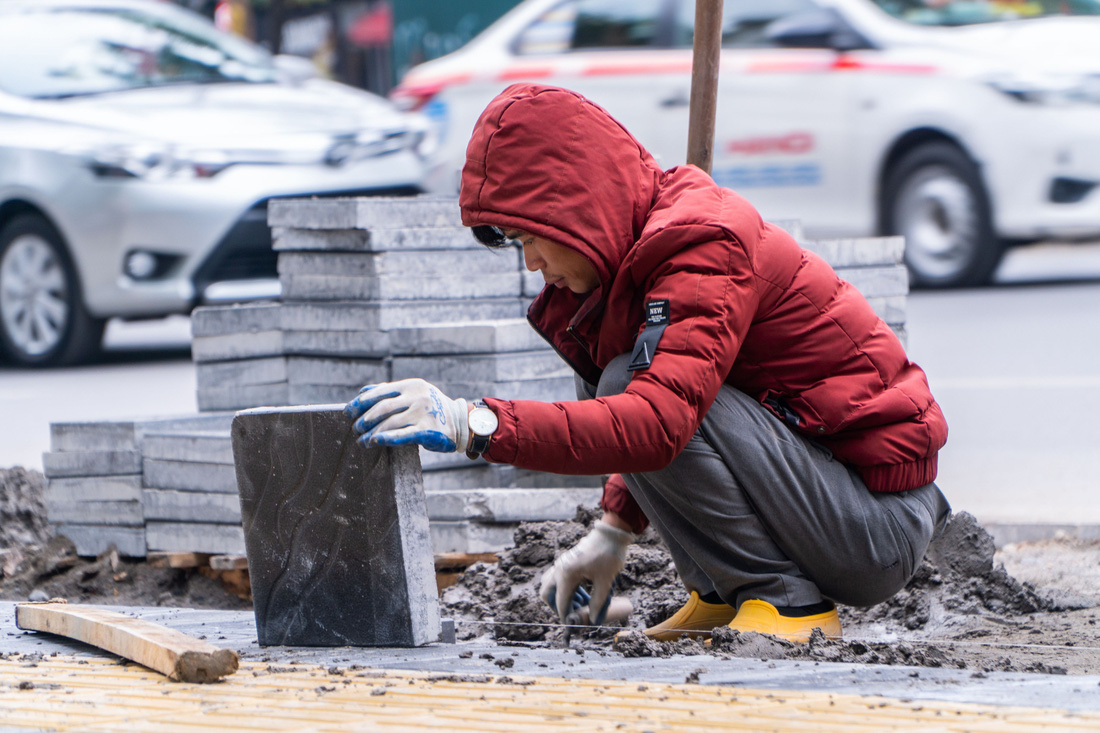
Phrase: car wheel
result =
(935, 198)
(43, 321)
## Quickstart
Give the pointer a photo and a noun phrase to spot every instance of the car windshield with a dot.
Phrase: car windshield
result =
(968, 12)
(52, 52)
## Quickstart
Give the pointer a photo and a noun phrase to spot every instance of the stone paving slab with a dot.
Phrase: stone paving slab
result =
(190, 476)
(213, 538)
(80, 463)
(91, 540)
(228, 346)
(369, 213)
(398, 288)
(337, 536)
(382, 316)
(442, 263)
(862, 252)
(907, 691)
(209, 446)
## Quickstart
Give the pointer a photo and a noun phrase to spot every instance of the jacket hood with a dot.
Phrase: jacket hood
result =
(549, 162)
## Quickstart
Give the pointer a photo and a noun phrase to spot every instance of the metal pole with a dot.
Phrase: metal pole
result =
(706, 55)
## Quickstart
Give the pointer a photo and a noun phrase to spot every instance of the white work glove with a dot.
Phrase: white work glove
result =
(598, 558)
(410, 411)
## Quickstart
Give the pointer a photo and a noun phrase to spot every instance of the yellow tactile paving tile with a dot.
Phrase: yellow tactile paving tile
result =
(71, 694)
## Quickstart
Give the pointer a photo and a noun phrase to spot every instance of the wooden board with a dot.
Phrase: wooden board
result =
(229, 562)
(179, 560)
(181, 657)
(460, 560)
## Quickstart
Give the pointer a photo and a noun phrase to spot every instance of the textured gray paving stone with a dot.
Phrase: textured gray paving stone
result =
(558, 389)
(477, 476)
(237, 397)
(874, 282)
(358, 316)
(126, 434)
(236, 346)
(399, 287)
(266, 370)
(214, 539)
(863, 252)
(338, 542)
(202, 446)
(94, 488)
(191, 506)
(502, 367)
(472, 536)
(366, 344)
(379, 240)
(91, 540)
(91, 463)
(337, 371)
(189, 476)
(370, 213)
(221, 320)
(120, 513)
(509, 505)
(322, 394)
(418, 264)
(475, 337)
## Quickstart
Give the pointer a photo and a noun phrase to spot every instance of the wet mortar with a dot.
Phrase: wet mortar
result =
(1029, 607)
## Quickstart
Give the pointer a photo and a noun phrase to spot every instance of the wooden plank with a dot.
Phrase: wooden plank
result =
(229, 562)
(459, 560)
(180, 657)
(177, 559)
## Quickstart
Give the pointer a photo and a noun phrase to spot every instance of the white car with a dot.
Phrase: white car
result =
(965, 126)
(139, 147)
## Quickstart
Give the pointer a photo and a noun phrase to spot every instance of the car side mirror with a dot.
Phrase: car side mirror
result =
(824, 28)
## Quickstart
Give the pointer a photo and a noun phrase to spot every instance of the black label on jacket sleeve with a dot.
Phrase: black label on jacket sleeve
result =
(656, 318)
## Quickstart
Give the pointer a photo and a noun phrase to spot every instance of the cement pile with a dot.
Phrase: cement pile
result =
(961, 609)
(22, 513)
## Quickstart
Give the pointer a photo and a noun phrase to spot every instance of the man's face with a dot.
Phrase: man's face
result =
(559, 265)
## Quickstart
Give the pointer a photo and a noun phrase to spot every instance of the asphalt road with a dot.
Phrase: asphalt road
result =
(1013, 365)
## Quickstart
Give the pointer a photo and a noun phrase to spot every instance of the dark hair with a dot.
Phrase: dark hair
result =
(490, 236)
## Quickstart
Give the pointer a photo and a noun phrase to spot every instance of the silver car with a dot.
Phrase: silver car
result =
(139, 147)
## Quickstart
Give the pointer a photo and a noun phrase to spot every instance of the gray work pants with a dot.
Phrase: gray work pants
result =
(751, 509)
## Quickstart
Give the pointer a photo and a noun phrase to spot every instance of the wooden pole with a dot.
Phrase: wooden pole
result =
(706, 55)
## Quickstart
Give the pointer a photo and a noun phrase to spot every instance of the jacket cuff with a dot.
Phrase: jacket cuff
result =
(617, 499)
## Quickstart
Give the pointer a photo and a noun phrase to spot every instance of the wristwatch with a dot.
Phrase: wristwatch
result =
(483, 423)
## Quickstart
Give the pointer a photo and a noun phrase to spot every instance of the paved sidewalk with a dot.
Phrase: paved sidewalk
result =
(47, 682)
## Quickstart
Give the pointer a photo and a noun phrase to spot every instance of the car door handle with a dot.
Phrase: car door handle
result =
(678, 99)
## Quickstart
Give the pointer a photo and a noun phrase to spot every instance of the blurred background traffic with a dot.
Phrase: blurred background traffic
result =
(140, 141)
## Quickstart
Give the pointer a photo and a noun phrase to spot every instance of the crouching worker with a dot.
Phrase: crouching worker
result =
(744, 400)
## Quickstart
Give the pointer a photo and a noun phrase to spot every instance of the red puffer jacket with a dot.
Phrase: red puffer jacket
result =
(748, 307)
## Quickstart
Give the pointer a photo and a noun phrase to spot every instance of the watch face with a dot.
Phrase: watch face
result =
(483, 421)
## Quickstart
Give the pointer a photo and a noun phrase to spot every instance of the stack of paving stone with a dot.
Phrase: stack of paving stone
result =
(95, 488)
(373, 290)
(189, 493)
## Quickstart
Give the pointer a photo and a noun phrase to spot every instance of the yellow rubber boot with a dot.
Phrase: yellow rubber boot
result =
(764, 618)
(695, 618)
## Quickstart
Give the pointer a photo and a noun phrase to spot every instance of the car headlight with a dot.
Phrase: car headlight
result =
(1050, 89)
(153, 162)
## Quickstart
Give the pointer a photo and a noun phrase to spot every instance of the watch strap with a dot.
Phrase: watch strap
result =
(478, 443)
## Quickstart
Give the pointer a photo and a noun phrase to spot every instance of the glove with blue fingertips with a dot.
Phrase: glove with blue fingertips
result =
(410, 412)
